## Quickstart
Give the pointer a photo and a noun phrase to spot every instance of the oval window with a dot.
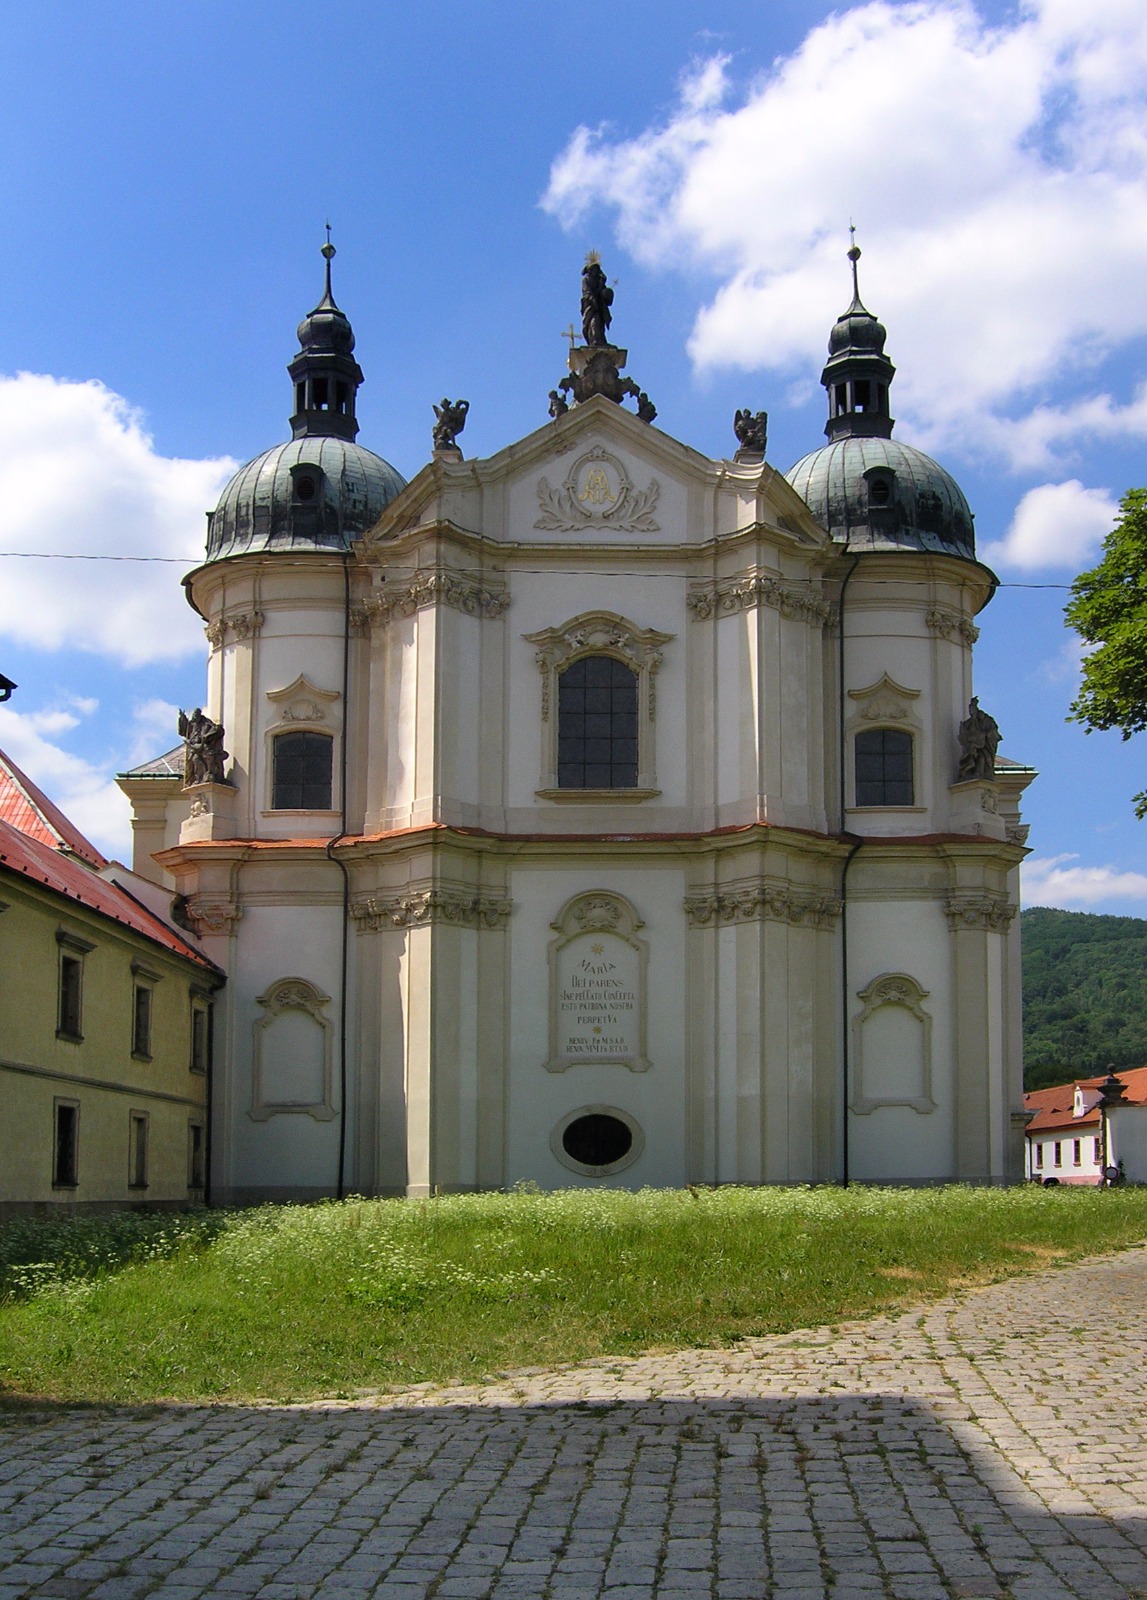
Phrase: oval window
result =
(304, 487)
(880, 491)
(597, 1140)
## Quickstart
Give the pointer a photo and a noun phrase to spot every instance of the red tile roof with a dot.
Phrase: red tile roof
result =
(43, 864)
(29, 810)
(1053, 1107)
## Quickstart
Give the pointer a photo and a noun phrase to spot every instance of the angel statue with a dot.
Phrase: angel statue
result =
(451, 415)
(751, 429)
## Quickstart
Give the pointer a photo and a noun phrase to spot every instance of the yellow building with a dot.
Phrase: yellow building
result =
(105, 1025)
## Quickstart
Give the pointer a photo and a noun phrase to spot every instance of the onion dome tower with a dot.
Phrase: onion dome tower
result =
(320, 490)
(869, 490)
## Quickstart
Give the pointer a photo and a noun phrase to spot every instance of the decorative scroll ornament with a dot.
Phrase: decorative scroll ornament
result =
(303, 701)
(754, 588)
(985, 911)
(597, 493)
(886, 701)
(761, 900)
(212, 916)
(424, 907)
(1017, 832)
(429, 588)
(951, 625)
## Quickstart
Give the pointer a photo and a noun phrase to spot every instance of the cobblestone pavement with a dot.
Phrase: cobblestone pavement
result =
(992, 1444)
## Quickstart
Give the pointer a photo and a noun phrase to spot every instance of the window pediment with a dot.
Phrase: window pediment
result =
(303, 701)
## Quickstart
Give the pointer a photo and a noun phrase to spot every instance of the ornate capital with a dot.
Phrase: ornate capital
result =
(761, 900)
(212, 916)
(951, 625)
(234, 625)
(757, 588)
(432, 587)
(987, 911)
(422, 908)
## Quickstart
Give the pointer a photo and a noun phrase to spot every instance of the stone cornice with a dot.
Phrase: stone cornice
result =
(752, 588)
(761, 900)
(430, 587)
(422, 908)
(990, 912)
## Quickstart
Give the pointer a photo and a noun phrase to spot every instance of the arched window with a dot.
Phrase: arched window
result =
(597, 724)
(884, 768)
(302, 772)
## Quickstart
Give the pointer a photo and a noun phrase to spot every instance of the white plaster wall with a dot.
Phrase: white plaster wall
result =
(1128, 1134)
(898, 1143)
(536, 1099)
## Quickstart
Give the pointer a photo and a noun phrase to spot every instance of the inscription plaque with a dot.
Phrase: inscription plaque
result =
(597, 985)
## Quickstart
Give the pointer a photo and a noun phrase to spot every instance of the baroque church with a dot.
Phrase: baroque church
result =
(596, 812)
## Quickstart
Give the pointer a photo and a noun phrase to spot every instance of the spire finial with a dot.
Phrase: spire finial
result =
(328, 251)
(854, 257)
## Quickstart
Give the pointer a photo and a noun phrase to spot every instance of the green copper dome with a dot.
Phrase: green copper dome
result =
(879, 494)
(308, 494)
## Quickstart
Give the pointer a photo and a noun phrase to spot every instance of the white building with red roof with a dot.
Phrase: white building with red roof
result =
(1078, 1129)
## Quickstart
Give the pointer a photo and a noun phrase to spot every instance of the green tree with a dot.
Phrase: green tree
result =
(1108, 609)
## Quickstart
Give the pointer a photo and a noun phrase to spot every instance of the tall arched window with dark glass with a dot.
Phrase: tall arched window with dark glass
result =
(301, 779)
(597, 725)
(884, 768)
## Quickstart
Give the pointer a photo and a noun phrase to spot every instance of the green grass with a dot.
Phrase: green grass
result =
(290, 1302)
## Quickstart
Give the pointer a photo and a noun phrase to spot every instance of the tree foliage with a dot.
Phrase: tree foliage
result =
(1085, 994)
(1108, 609)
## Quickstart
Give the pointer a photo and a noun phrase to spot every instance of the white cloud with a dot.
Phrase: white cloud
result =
(82, 477)
(155, 730)
(1055, 525)
(1051, 881)
(999, 177)
(84, 792)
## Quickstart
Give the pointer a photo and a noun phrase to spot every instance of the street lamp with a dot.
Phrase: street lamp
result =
(1111, 1094)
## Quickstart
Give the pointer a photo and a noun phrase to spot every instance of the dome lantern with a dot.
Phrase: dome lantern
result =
(858, 374)
(325, 374)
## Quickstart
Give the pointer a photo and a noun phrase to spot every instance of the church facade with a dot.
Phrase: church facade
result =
(596, 812)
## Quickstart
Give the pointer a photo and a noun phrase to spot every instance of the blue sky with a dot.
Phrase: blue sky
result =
(167, 170)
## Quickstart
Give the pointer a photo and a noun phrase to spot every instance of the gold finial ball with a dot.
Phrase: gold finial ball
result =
(854, 253)
(329, 250)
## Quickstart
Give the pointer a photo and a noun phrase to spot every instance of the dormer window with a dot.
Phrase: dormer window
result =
(306, 480)
(881, 485)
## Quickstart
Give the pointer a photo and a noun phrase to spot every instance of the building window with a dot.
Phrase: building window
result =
(137, 1151)
(884, 767)
(1057, 1154)
(195, 1155)
(1077, 1152)
(200, 1037)
(1097, 1150)
(597, 724)
(1039, 1155)
(71, 986)
(141, 1022)
(66, 1144)
(302, 772)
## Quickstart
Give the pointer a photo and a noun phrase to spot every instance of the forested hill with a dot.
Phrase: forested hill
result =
(1085, 994)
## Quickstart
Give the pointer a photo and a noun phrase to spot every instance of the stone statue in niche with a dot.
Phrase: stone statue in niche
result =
(596, 299)
(751, 429)
(203, 752)
(979, 736)
(451, 419)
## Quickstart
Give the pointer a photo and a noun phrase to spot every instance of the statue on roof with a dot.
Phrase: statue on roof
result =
(450, 420)
(751, 429)
(979, 736)
(203, 752)
(596, 299)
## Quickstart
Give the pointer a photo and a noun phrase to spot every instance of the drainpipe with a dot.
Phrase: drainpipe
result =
(844, 997)
(340, 1188)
